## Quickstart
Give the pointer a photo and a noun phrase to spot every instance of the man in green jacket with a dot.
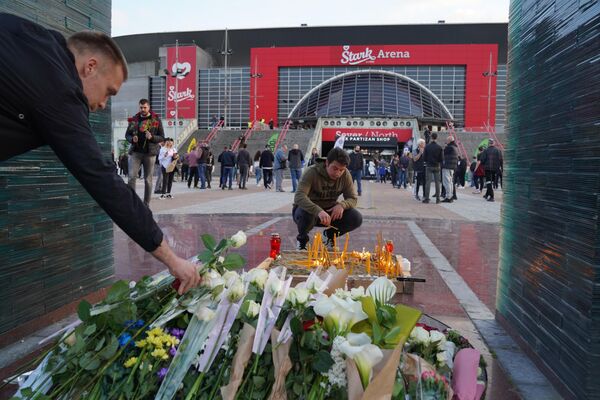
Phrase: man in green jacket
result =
(316, 200)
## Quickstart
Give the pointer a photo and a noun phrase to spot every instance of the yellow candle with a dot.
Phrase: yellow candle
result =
(346, 244)
(369, 265)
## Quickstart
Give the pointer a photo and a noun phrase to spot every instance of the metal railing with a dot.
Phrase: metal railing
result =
(283, 133)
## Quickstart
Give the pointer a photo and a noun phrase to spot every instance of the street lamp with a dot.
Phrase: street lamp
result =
(490, 75)
(256, 76)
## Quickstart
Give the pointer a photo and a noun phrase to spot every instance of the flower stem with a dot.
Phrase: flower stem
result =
(250, 372)
(218, 382)
(192, 393)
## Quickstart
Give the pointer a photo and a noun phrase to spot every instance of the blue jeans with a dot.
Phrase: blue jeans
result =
(402, 178)
(357, 176)
(296, 173)
(202, 174)
(258, 172)
(228, 176)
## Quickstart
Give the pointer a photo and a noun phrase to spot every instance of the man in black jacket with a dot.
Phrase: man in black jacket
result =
(266, 164)
(434, 157)
(491, 158)
(227, 160)
(357, 163)
(144, 132)
(243, 161)
(47, 100)
(448, 168)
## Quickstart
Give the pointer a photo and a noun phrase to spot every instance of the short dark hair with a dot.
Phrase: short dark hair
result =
(244, 145)
(339, 155)
(434, 135)
(144, 101)
(89, 41)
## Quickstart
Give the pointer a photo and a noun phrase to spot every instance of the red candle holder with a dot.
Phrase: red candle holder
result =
(389, 246)
(275, 245)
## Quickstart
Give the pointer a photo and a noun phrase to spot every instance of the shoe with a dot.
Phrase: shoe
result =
(202, 187)
(417, 198)
(162, 197)
(169, 196)
(300, 245)
(208, 186)
(453, 198)
(327, 242)
(229, 188)
(447, 201)
(360, 194)
(222, 187)
(477, 192)
(437, 201)
(426, 201)
(280, 190)
(490, 199)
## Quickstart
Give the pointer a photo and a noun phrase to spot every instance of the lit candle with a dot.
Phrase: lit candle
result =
(369, 265)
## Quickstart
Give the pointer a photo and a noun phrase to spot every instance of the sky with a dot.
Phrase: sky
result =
(131, 17)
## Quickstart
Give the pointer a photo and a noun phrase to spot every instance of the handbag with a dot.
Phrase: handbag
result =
(171, 167)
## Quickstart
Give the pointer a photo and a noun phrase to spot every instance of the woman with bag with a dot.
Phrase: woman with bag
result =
(168, 162)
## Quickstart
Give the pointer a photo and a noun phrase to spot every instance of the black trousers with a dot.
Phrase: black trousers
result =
(490, 177)
(351, 219)
(267, 176)
(167, 180)
(420, 182)
(193, 175)
(243, 175)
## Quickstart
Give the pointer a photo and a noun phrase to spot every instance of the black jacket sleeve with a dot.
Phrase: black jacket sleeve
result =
(64, 126)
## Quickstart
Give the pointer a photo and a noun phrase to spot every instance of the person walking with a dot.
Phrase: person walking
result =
(257, 169)
(296, 161)
(243, 163)
(266, 164)
(357, 163)
(449, 165)
(279, 166)
(419, 165)
(166, 157)
(144, 132)
(491, 159)
(433, 156)
(314, 155)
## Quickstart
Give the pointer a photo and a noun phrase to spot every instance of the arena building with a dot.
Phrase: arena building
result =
(436, 73)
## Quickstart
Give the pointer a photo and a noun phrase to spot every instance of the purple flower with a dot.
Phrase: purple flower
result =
(161, 374)
(178, 333)
(172, 351)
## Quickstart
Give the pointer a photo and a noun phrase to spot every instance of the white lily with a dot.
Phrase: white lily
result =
(239, 239)
(342, 294)
(298, 296)
(382, 290)
(258, 277)
(420, 335)
(339, 314)
(358, 347)
(357, 293)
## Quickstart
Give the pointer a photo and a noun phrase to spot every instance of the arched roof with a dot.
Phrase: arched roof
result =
(370, 93)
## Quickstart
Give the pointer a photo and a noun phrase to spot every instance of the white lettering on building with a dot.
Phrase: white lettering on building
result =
(354, 58)
(180, 96)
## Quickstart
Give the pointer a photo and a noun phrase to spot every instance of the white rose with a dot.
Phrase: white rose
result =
(298, 296)
(441, 358)
(275, 287)
(204, 313)
(342, 294)
(357, 293)
(212, 279)
(236, 291)
(239, 239)
(420, 335)
(71, 339)
(258, 277)
(132, 285)
(230, 278)
(221, 259)
(437, 336)
(253, 309)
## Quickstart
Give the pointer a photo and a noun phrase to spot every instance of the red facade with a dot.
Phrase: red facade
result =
(475, 58)
(185, 91)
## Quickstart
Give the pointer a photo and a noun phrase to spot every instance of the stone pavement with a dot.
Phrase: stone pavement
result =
(454, 246)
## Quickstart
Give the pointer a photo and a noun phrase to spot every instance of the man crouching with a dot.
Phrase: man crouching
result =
(316, 200)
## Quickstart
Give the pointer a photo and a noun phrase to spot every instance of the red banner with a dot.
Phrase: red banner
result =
(331, 134)
(181, 62)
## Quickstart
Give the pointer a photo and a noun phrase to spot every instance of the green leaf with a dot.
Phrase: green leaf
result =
(110, 349)
(100, 344)
(233, 261)
(393, 336)
(296, 326)
(118, 292)
(222, 245)
(406, 318)
(322, 362)
(209, 241)
(90, 330)
(368, 306)
(83, 310)
(89, 362)
(206, 256)
(259, 381)
(377, 333)
(309, 314)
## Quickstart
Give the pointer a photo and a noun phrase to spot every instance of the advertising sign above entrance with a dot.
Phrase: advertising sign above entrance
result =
(367, 55)
(368, 135)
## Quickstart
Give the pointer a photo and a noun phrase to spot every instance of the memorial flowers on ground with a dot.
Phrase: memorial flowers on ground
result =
(247, 335)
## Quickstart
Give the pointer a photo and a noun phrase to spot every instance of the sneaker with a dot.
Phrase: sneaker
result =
(300, 245)
(417, 198)
(490, 199)
(162, 197)
(477, 191)
(169, 196)
(426, 201)
(437, 201)
(447, 201)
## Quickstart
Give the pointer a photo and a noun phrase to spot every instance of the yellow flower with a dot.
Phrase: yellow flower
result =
(131, 362)
(140, 343)
(160, 353)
